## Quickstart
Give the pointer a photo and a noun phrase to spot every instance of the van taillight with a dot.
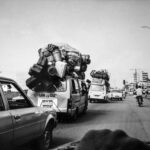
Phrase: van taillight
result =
(69, 103)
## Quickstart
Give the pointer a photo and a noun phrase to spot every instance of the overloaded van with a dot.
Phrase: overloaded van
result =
(98, 92)
(70, 99)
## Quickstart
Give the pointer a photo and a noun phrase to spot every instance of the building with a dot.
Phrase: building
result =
(144, 76)
(140, 76)
(136, 77)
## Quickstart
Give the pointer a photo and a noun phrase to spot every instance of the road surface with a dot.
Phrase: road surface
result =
(124, 115)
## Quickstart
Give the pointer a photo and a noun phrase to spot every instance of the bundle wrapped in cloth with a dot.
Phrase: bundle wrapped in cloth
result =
(55, 62)
(101, 74)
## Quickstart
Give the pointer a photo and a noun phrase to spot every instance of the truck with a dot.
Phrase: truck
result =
(21, 121)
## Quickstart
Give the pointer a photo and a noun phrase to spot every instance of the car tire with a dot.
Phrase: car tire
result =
(75, 115)
(85, 108)
(45, 141)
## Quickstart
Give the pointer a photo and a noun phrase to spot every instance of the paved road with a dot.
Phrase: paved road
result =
(124, 115)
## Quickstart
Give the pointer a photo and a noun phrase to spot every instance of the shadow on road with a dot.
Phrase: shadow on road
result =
(58, 141)
(92, 115)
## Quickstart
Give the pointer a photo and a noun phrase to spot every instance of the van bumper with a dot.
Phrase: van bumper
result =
(65, 111)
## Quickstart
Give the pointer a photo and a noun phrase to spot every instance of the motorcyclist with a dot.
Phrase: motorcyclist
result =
(139, 93)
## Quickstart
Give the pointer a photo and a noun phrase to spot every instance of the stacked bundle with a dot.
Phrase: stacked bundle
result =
(56, 62)
(101, 76)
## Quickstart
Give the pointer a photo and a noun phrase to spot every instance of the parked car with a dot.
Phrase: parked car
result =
(22, 122)
(116, 95)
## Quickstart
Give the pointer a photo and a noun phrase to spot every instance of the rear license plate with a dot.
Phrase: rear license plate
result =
(47, 103)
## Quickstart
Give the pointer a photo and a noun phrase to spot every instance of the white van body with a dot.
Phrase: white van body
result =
(70, 99)
(97, 92)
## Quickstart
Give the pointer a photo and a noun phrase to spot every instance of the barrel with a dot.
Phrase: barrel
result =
(51, 70)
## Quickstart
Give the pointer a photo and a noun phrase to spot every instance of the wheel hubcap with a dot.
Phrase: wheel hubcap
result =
(47, 139)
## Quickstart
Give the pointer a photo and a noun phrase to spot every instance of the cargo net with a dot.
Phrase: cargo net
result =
(54, 64)
(101, 77)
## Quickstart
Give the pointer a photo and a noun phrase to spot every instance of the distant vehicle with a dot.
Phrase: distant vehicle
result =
(97, 93)
(22, 122)
(116, 95)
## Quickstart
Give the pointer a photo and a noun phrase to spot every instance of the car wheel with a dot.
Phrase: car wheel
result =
(45, 140)
(85, 108)
(75, 115)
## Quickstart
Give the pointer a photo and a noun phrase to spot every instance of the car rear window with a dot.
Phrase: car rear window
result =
(62, 87)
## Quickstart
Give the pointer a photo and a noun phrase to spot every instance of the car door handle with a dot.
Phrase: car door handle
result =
(17, 117)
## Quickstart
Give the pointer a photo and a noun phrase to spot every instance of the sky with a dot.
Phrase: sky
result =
(115, 33)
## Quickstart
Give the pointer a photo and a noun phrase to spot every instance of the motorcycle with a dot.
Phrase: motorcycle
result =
(139, 100)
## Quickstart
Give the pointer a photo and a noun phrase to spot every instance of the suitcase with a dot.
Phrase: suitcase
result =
(51, 70)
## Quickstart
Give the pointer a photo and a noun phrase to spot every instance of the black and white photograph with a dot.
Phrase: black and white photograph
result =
(74, 74)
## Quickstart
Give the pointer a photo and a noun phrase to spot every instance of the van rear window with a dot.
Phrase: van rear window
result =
(96, 87)
(62, 87)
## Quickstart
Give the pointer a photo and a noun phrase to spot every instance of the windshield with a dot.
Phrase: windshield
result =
(62, 87)
(96, 88)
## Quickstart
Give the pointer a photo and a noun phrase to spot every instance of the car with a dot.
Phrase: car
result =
(116, 95)
(21, 121)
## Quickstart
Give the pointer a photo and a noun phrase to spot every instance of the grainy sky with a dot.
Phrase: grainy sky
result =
(116, 34)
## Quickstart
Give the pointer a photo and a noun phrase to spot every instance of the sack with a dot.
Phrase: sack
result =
(86, 59)
(42, 61)
(61, 68)
(57, 55)
(35, 70)
(32, 82)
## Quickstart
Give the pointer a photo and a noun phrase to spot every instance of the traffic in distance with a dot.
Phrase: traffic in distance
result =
(59, 98)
